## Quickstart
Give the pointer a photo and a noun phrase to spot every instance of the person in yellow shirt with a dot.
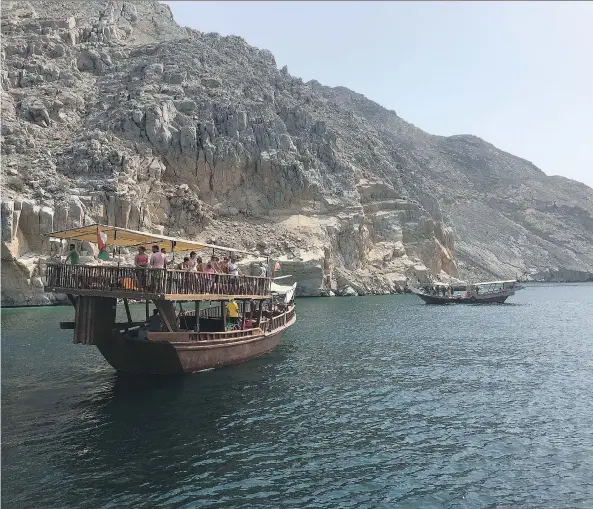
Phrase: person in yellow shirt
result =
(232, 314)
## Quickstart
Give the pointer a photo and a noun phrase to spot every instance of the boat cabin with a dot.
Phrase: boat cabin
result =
(490, 287)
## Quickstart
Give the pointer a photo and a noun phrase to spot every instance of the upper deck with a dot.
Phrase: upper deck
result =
(147, 283)
(143, 284)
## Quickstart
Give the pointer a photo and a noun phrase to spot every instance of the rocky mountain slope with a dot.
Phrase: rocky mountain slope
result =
(113, 113)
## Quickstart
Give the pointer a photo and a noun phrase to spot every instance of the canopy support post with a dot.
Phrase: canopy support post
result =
(118, 248)
(182, 314)
(128, 314)
(147, 310)
(223, 312)
(259, 312)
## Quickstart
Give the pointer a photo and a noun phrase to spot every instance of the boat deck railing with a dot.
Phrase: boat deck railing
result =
(220, 337)
(280, 320)
(136, 282)
(267, 323)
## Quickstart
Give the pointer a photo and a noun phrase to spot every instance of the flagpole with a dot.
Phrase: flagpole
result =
(118, 249)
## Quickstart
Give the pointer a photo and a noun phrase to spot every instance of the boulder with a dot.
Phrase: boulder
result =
(348, 291)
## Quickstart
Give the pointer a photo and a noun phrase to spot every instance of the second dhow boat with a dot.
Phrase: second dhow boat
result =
(488, 292)
(191, 339)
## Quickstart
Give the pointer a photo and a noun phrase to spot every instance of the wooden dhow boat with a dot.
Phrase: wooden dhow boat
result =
(477, 293)
(191, 339)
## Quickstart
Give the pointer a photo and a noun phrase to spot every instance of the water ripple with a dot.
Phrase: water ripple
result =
(369, 403)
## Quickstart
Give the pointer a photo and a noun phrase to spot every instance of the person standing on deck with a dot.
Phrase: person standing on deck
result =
(73, 255)
(164, 251)
(155, 323)
(141, 262)
(184, 265)
(193, 261)
(214, 263)
(233, 314)
(209, 278)
(194, 264)
(233, 267)
(233, 270)
(224, 265)
(158, 260)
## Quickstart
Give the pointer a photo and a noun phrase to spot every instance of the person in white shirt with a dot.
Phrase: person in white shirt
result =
(158, 260)
(233, 267)
(234, 273)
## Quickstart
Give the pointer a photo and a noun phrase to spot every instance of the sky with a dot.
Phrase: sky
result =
(517, 74)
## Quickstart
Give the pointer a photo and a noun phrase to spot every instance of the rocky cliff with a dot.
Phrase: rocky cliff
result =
(113, 113)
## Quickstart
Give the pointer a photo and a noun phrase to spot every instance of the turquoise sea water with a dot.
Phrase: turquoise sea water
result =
(368, 402)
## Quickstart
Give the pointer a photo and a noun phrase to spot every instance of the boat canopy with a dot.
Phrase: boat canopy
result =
(281, 289)
(286, 290)
(124, 237)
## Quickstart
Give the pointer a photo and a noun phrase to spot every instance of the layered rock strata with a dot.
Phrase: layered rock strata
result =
(113, 113)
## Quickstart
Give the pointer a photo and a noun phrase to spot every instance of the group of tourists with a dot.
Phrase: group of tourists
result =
(209, 275)
(158, 260)
(440, 290)
(235, 320)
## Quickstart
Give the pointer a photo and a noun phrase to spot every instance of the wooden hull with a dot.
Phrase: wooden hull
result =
(140, 356)
(435, 299)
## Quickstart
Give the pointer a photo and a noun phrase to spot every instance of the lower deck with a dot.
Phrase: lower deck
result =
(95, 317)
(188, 340)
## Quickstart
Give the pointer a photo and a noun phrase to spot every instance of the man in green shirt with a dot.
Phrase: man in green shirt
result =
(73, 255)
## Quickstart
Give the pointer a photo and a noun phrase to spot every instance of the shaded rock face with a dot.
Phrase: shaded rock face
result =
(113, 113)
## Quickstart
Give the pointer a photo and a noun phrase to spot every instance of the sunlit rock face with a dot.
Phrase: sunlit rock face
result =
(113, 113)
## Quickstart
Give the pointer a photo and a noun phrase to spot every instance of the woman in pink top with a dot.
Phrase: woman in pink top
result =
(209, 269)
(141, 262)
(141, 259)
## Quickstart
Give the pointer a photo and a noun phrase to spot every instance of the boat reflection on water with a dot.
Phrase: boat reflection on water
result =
(132, 422)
